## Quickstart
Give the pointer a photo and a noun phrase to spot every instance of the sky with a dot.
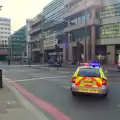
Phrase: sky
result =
(20, 10)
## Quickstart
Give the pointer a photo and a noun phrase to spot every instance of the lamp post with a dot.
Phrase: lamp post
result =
(85, 44)
(11, 48)
(57, 53)
(1, 7)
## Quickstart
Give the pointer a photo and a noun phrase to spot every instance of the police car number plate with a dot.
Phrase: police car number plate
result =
(88, 90)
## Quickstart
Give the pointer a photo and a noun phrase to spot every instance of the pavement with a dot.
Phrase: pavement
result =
(13, 106)
(49, 91)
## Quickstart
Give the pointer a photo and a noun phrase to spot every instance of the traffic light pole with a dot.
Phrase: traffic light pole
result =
(57, 53)
(1, 7)
(85, 44)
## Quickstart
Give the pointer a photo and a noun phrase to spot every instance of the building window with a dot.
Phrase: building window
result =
(110, 31)
(110, 11)
(83, 18)
(79, 19)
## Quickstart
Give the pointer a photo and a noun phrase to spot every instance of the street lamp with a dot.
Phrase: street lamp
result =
(1, 7)
(85, 45)
(57, 52)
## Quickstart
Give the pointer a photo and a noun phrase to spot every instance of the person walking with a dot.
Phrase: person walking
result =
(9, 61)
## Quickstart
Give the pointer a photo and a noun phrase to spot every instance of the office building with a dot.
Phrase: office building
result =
(83, 29)
(36, 38)
(110, 30)
(17, 43)
(53, 29)
(5, 31)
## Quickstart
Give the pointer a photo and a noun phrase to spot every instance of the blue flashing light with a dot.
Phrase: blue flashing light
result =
(96, 65)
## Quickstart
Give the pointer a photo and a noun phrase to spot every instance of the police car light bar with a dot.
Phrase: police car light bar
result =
(95, 64)
(92, 64)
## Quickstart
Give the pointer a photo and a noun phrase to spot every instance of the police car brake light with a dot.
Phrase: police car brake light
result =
(73, 79)
(86, 64)
(104, 82)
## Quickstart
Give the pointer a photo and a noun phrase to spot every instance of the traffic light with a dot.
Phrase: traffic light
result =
(57, 48)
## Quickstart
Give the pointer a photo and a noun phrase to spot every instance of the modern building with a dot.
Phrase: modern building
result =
(36, 38)
(110, 30)
(17, 43)
(82, 29)
(53, 29)
(5, 31)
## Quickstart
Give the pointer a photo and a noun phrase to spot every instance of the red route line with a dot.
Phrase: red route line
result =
(48, 107)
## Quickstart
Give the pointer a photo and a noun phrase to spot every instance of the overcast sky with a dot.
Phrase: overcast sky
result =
(20, 10)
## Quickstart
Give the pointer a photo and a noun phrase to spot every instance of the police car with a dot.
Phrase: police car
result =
(90, 79)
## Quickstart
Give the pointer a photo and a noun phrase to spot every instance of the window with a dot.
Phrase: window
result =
(89, 72)
(110, 31)
(83, 18)
(79, 19)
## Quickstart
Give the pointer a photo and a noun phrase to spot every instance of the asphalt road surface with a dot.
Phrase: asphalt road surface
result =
(54, 88)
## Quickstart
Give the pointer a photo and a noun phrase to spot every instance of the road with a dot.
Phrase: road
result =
(54, 88)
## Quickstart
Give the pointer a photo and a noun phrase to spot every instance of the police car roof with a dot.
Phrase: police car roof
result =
(88, 67)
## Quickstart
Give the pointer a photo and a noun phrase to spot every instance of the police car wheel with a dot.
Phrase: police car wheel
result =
(105, 95)
(74, 93)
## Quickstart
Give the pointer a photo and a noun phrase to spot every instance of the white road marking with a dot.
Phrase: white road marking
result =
(63, 72)
(24, 80)
(118, 105)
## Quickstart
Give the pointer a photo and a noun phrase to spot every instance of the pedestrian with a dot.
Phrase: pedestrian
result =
(9, 61)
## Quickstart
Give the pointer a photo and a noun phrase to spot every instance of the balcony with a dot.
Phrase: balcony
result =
(37, 19)
(51, 24)
(37, 29)
(81, 6)
(59, 33)
(110, 41)
(50, 43)
(81, 25)
(67, 2)
(36, 47)
(54, 34)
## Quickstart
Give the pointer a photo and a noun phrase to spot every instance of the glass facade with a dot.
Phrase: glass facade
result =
(54, 22)
(110, 11)
(79, 19)
(54, 11)
(17, 42)
(80, 34)
(110, 30)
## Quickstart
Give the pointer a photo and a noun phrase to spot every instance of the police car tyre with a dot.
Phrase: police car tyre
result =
(74, 93)
(105, 95)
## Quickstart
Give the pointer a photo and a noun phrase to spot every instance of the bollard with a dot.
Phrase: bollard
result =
(1, 81)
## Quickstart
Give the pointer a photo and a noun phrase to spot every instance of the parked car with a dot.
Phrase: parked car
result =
(55, 63)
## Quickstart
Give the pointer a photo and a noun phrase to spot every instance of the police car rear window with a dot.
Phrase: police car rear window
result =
(89, 72)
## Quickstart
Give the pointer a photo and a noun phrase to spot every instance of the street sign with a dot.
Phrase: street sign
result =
(66, 43)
